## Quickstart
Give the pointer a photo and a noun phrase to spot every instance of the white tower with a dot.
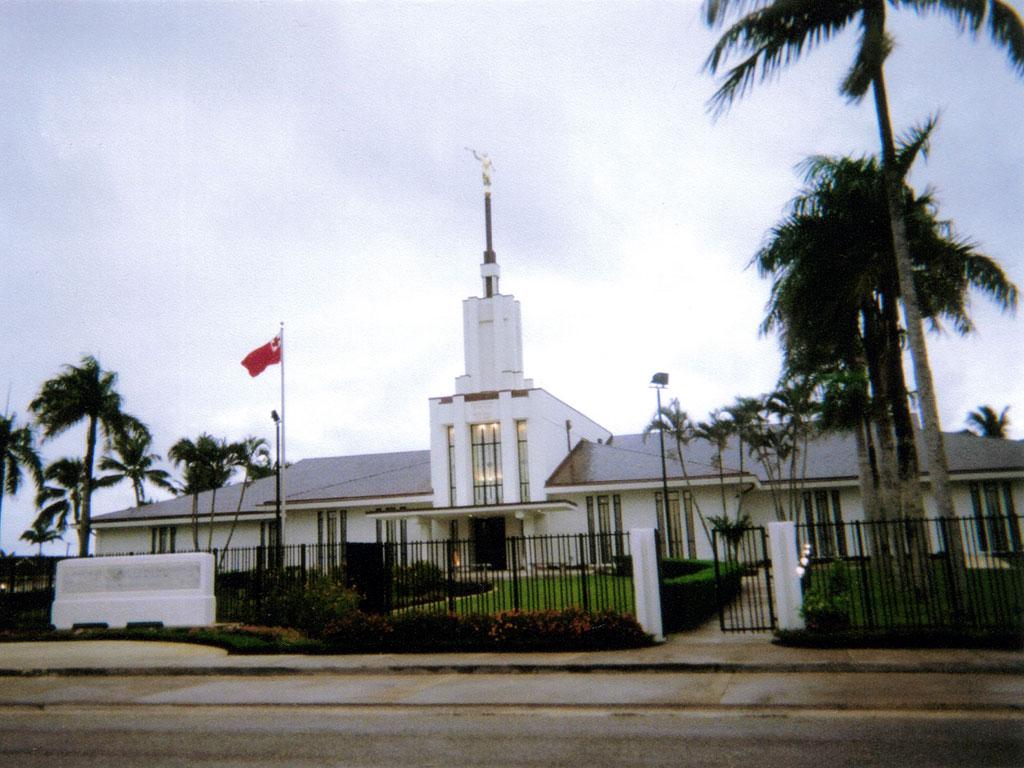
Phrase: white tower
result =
(492, 330)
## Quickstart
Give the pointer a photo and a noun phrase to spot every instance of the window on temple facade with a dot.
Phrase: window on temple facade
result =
(162, 539)
(486, 444)
(452, 497)
(524, 464)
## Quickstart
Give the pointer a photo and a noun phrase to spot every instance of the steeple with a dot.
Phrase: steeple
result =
(489, 270)
(492, 332)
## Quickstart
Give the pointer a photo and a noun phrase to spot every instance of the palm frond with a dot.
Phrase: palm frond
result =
(770, 38)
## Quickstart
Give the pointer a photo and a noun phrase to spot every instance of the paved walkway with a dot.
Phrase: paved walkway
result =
(706, 650)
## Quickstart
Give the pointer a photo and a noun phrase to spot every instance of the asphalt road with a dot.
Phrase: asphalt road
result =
(165, 736)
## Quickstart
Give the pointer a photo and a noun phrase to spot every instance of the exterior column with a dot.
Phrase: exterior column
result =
(646, 583)
(786, 574)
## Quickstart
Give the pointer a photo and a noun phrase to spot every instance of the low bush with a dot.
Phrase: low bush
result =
(308, 606)
(826, 606)
(690, 594)
(568, 630)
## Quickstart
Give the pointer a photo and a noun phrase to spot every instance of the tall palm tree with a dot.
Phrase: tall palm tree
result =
(82, 393)
(834, 288)
(40, 533)
(17, 454)
(676, 422)
(773, 33)
(208, 464)
(134, 462)
(987, 423)
(252, 455)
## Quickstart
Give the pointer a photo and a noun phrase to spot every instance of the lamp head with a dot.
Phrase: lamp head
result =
(275, 417)
(660, 380)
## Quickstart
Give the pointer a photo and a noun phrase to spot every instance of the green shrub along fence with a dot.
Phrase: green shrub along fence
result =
(690, 594)
(958, 573)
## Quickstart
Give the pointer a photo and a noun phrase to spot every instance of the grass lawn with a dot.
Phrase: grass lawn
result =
(593, 592)
(889, 598)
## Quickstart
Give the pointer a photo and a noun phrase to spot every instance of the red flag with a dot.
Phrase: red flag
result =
(258, 360)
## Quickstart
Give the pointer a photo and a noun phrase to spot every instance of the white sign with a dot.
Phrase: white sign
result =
(173, 590)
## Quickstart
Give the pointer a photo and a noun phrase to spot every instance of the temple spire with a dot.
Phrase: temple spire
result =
(489, 270)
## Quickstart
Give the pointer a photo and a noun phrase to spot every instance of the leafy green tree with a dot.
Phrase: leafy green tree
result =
(770, 34)
(987, 423)
(40, 533)
(17, 454)
(83, 393)
(208, 465)
(135, 462)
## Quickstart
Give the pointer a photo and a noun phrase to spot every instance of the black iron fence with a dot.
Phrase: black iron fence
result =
(589, 572)
(935, 573)
(255, 584)
(743, 552)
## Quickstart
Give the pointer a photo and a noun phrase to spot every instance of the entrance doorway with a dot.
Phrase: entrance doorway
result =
(489, 542)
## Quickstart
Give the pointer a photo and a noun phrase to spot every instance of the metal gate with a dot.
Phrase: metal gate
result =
(743, 579)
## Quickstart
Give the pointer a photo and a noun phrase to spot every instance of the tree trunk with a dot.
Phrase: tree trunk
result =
(691, 538)
(85, 523)
(3, 477)
(938, 468)
(865, 474)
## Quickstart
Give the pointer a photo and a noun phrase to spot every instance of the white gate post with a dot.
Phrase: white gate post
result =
(786, 574)
(646, 586)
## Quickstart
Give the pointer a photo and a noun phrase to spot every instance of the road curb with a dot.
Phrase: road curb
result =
(1013, 669)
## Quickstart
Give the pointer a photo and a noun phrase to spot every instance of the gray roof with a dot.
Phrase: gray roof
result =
(631, 458)
(367, 476)
(623, 459)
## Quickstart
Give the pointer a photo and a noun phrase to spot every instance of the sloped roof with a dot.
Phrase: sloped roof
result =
(375, 475)
(631, 458)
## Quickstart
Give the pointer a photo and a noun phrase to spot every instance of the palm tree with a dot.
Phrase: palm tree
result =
(40, 533)
(82, 393)
(716, 430)
(209, 463)
(252, 455)
(833, 296)
(17, 453)
(134, 462)
(675, 421)
(773, 34)
(987, 423)
(61, 495)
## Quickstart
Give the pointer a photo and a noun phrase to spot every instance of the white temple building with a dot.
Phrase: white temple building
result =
(507, 458)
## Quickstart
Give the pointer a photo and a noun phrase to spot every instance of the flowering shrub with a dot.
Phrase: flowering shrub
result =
(567, 630)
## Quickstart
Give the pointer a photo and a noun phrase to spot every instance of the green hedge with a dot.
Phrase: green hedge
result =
(689, 594)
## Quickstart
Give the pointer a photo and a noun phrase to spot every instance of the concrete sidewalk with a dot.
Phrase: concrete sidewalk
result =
(706, 650)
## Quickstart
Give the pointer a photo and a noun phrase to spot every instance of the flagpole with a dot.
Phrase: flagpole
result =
(284, 463)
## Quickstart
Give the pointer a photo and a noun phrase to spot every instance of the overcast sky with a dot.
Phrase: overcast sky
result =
(180, 177)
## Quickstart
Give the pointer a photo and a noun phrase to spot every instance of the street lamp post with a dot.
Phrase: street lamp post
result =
(659, 381)
(277, 479)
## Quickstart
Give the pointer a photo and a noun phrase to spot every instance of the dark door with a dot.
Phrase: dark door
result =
(489, 542)
(369, 573)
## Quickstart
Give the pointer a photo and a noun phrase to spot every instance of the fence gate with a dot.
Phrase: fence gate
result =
(743, 579)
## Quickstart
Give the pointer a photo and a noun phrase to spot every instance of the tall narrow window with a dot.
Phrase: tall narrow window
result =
(524, 464)
(486, 445)
(162, 539)
(670, 530)
(331, 534)
(451, 467)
